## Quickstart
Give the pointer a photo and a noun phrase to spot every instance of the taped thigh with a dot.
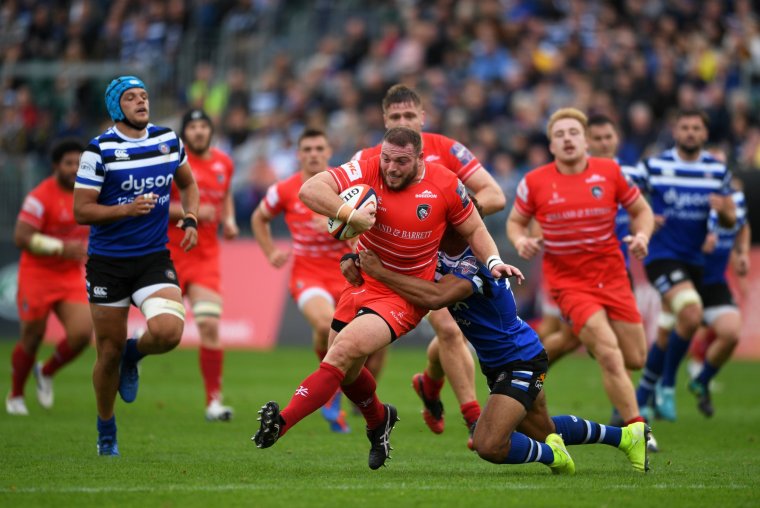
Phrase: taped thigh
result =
(155, 306)
(683, 299)
(203, 310)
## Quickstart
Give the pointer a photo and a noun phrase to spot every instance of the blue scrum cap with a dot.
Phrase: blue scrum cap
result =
(114, 92)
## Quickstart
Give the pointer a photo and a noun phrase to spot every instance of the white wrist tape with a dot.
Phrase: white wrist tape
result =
(493, 261)
(337, 214)
(350, 216)
(45, 245)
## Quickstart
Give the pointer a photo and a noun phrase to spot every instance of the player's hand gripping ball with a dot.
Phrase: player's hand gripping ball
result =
(356, 197)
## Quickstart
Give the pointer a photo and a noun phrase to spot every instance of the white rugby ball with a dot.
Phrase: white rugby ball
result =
(356, 197)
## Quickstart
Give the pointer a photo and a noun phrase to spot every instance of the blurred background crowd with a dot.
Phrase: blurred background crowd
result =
(490, 72)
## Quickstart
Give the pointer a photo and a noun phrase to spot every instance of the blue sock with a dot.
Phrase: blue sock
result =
(131, 354)
(650, 375)
(677, 347)
(708, 372)
(575, 431)
(107, 427)
(525, 449)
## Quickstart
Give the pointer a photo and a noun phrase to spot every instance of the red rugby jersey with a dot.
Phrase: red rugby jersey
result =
(213, 177)
(409, 222)
(311, 241)
(50, 209)
(577, 216)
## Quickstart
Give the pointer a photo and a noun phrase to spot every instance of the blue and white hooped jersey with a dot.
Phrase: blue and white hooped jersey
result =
(716, 262)
(679, 191)
(622, 219)
(121, 169)
(488, 318)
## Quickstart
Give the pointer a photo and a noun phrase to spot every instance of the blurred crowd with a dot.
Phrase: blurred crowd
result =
(490, 72)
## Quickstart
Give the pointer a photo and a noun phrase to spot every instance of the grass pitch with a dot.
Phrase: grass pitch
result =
(172, 457)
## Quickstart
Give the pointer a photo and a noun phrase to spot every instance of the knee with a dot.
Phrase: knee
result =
(491, 451)
(109, 352)
(609, 358)
(342, 355)
(449, 334)
(690, 318)
(635, 361)
(166, 335)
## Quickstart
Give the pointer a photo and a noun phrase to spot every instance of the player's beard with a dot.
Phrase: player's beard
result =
(405, 181)
(690, 149)
(66, 181)
(197, 147)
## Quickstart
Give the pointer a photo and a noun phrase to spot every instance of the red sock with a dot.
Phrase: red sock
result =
(211, 361)
(21, 365)
(321, 353)
(470, 412)
(432, 387)
(312, 394)
(634, 420)
(362, 393)
(63, 354)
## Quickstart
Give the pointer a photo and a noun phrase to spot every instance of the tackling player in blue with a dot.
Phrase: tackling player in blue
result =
(122, 190)
(514, 427)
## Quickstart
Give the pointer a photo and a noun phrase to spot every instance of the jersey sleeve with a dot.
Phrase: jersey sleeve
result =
(272, 201)
(641, 178)
(91, 172)
(524, 199)
(33, 210)
(467, 269)
(626, 191)
(467, 163)
(460, 205)
(741, 208)
(182, 152)
(351, 173)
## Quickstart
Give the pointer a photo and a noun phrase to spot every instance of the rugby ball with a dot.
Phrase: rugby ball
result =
(356, 197)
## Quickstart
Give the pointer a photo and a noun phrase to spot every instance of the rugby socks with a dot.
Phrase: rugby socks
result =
(524, 449)
(131, 354)
(312, 394)
(211, 361)
(63, 354)
(362, 393)
(575, 431)
(432, 387)
(650, 375)
(107, 427)
(708, 372)
(21, 365)
(677, 347)
(470, 412)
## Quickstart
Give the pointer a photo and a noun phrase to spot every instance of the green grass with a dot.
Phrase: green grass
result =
(172, 457)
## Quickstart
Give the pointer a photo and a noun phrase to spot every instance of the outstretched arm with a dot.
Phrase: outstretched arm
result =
(420, 292)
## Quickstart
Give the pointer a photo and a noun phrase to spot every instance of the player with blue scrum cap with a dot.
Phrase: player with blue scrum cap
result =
(122, 191)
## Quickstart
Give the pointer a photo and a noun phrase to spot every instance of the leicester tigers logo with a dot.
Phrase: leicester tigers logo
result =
(423, 211)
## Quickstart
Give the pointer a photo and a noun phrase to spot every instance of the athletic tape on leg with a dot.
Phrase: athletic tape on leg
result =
(683, 299)
(154, 306)
(207, 310)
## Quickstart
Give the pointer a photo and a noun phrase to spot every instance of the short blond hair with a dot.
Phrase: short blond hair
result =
(561, 114)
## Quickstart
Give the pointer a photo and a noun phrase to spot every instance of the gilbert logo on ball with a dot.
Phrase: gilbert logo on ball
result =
(356, 197)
